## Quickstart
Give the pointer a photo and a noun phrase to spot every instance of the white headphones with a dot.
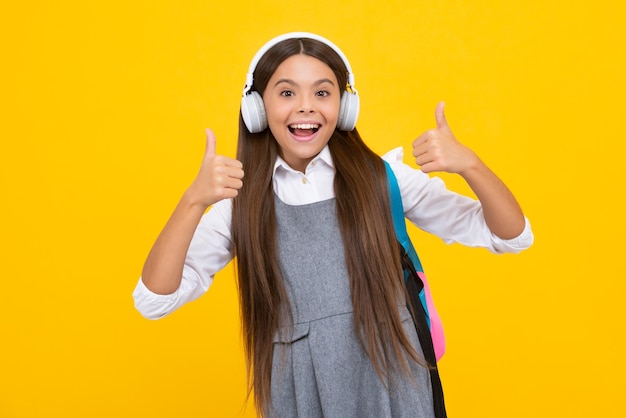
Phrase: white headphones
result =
(253, 109)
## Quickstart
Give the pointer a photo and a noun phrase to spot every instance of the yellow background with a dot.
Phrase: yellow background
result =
(103, 110)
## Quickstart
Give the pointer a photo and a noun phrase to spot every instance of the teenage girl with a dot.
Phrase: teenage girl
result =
(326, 328)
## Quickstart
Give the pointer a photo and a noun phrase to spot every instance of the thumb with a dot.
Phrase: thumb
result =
(210, 143)
(440, 116)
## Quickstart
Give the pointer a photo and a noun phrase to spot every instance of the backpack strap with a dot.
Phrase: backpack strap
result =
(418, 291)
(425, 298)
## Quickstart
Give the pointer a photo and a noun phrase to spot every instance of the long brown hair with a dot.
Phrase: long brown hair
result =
(371, 249)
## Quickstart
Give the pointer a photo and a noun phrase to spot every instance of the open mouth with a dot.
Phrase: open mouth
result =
(303, 129)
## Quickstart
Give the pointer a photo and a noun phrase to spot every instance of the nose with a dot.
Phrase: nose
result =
(305, 106)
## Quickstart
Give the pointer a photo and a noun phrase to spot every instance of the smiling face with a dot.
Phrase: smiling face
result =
(302, 101)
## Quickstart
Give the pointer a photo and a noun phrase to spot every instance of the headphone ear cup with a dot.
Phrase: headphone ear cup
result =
(253, 112)
(348, 111)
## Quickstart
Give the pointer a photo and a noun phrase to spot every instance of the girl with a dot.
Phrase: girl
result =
(325, 322)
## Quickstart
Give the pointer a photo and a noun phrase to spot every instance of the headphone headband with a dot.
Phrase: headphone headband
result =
(294, 35)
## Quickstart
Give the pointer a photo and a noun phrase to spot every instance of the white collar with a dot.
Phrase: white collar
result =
(324, 156)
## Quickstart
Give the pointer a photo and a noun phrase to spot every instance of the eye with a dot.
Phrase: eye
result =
(286, 93)
(322, 93)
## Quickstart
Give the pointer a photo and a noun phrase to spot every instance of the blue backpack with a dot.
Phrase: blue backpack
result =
(413, 271)
(425, 317)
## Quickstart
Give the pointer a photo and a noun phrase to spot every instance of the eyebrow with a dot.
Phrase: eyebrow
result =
(293, 83)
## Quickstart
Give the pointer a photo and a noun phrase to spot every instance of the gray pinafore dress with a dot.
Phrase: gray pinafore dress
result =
(319, 367)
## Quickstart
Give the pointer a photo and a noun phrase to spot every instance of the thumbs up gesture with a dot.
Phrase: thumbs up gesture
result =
(219, 177)
(438, 150)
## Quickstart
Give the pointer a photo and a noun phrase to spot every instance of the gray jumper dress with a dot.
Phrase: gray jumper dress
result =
(319, 367)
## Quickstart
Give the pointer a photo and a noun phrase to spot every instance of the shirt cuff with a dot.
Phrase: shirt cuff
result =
(152, 305)
(523, 241)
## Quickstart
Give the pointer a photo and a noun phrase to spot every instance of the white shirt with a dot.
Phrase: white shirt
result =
(427, 204)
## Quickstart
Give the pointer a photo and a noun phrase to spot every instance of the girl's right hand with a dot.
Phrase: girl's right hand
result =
(219, 177)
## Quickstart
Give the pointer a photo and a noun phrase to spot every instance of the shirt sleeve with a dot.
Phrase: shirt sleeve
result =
(210, 250)
(454, 218)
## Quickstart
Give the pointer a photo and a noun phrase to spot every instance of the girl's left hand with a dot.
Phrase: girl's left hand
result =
(438, 149)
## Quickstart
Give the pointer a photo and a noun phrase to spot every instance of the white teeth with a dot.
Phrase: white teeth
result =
(304, 126)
